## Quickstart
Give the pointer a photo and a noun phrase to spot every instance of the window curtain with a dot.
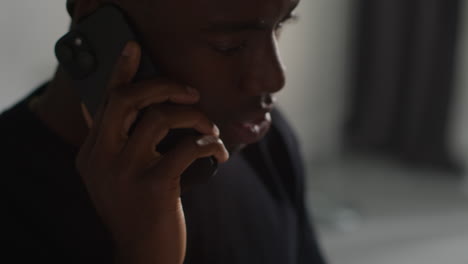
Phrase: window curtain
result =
(403, 80)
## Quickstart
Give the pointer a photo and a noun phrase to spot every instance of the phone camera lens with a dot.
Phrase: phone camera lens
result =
(78, 42)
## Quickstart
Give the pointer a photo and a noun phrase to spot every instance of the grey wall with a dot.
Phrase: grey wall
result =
(317, 54)
(28, 29)
(459, 128)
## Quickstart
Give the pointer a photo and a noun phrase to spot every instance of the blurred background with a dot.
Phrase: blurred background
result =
(377, 92)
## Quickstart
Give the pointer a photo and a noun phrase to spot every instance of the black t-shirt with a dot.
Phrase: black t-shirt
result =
(252, 211)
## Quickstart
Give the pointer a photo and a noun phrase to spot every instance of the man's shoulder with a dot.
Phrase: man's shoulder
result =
(20, 128)
(22, 139)
(14, 145)
(18, 120)
(12, 122)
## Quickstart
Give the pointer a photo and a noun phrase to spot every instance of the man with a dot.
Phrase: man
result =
(84, 189)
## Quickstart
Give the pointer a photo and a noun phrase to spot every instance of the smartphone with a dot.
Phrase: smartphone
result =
(88, 54)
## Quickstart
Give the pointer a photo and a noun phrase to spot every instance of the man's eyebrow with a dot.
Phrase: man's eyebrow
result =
(291, 13)
(236, 26)
(250, 25)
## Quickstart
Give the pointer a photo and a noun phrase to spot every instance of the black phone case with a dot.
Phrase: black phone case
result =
(88, 54)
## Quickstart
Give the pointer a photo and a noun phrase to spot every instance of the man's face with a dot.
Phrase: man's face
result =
(227, 49)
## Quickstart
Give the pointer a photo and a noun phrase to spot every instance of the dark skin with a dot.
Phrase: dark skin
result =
(227, 51)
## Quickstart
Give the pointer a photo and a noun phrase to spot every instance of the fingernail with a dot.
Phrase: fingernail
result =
(207, 140)
(192, 91)
(128, 50)
(216, 130)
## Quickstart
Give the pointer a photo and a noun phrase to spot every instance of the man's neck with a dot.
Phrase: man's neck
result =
(60, 110)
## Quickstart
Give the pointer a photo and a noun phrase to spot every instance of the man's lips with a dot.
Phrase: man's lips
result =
(249, 129)
(255, 117)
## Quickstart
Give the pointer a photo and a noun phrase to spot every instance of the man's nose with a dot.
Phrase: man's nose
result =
(266, 73)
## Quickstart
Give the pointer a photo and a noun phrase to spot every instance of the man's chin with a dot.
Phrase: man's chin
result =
(235, 148)
(236, 138)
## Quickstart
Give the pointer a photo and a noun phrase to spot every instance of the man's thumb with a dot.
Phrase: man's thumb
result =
(126, 66)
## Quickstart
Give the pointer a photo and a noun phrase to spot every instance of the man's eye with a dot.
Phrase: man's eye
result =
(291, 18)
(279, 29)
(229, 50)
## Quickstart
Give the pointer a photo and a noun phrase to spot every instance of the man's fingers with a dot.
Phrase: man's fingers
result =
(86, 115)
(93, 131)
(124, 71)
(212, 146)
(176, 161)
(178, 116)
(126, 67)
(156, 122)
(146, 93)
(125, 103)
(124, 100)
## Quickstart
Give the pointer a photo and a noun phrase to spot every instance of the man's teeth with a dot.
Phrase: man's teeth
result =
(252, 127)
(256, 129)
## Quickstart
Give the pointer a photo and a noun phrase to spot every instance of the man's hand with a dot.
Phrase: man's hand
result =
(135, 189)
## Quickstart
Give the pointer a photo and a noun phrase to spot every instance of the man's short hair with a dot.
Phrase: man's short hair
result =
(70, 6)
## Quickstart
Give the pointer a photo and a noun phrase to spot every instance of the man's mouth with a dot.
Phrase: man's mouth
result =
(250, 125)
(248, 130)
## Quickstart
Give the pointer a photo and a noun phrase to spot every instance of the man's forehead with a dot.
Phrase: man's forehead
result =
(230, 8)
(195, 15)
(228, 4)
